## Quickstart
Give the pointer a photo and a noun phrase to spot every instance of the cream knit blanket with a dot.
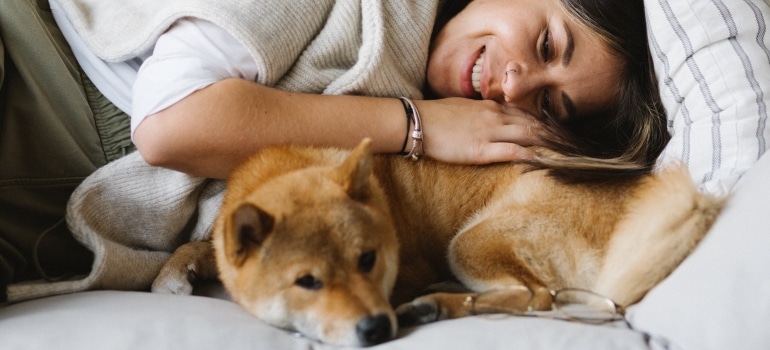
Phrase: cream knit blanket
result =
(368, 47)
(133, 215)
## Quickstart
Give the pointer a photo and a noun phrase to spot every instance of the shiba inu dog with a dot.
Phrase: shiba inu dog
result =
(326, 242)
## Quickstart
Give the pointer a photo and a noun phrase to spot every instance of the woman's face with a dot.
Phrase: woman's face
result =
(528, 54)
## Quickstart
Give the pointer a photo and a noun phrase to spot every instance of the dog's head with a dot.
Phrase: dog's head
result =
(315, 251)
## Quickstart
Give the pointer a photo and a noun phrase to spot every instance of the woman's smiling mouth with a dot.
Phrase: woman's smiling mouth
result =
(476, 74)
(471, 80)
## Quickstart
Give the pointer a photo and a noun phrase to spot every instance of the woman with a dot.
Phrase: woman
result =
(551, 72)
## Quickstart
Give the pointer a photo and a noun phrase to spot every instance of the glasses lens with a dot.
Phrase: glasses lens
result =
(514, 300)
(585, 306)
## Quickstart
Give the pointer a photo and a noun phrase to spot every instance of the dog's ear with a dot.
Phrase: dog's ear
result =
(248, 228)
(353, 174)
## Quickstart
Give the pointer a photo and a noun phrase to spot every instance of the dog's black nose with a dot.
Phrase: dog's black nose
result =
(374, 329)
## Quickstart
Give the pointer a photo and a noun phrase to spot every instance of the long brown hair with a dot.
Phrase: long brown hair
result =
(628, 136)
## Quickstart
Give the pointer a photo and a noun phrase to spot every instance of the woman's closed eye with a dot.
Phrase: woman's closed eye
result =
(547, 104)
(545, 46)
(546, 52)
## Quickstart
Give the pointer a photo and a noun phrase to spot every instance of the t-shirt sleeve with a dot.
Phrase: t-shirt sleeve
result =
(190, 56)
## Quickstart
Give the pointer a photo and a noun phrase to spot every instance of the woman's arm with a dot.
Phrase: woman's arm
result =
(215, 128)
(212, 130)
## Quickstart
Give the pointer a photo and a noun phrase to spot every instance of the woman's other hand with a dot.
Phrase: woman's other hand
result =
(465, 131)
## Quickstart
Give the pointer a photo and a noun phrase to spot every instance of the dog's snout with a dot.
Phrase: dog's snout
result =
(374, 329)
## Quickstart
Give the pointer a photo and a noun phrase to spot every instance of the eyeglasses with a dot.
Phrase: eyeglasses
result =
(569, 304)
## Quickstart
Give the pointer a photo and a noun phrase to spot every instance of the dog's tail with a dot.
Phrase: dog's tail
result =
(663, 223)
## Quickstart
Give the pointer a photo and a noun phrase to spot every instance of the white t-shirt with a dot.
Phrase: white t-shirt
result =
(191, 55)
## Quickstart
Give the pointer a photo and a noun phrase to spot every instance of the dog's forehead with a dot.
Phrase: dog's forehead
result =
(300, 187)
(309, 193)
(308, 241)
(340, 228)
(311, 208)
(346, 220)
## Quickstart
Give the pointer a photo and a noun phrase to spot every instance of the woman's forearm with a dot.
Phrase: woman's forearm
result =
(211, 131)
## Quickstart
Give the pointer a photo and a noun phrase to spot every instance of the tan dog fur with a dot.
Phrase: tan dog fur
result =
(298, 226)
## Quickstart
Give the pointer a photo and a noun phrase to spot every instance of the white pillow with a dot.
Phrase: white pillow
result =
(713, 66)
(719, 297)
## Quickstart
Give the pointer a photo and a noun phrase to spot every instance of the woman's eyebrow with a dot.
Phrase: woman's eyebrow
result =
(569, 107)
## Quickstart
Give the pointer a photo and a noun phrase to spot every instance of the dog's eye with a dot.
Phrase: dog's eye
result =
(309, 282)
(367, 260)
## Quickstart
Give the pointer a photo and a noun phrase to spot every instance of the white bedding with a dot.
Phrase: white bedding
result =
(135, 320)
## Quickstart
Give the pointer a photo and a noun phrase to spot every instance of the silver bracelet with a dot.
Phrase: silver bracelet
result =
(417, 150)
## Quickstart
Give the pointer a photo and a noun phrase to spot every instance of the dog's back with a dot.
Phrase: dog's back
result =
(617, 237)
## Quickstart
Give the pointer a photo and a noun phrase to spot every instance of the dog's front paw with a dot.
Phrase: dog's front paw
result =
(173, 280)
(419, 311)
(431, 308)
(190, 262)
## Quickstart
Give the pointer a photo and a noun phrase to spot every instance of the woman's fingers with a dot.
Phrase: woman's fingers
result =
(496, 152)
(520, 127)
(520, 134)
(479, 132)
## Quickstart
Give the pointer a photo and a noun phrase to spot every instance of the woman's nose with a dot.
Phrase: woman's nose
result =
(519, 83)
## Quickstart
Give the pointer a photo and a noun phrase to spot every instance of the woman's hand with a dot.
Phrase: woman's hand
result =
(460, 130)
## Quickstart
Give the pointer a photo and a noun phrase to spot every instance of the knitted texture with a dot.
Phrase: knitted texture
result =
(366, 47)
(133, 215)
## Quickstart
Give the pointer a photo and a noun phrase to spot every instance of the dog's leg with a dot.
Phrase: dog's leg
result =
(482, 261)
(433, 307)
(190, 262)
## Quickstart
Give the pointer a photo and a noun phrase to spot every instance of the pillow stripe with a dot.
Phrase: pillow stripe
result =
(749, 69)
(669, 81)
(761, 27)
(684, 39)
(762, 122)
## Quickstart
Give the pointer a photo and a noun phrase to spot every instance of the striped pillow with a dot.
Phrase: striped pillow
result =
(712, 60)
